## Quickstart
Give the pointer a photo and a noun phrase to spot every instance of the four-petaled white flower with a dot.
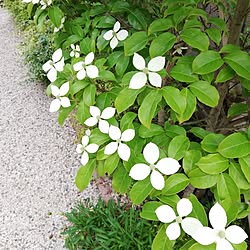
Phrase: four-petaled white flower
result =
(139, 79)
(56, 29)
(166, 166)
(100, 118)
(45, 3)
(60, 99)
(115, 36)
(84, 68)
(85, 148)
(31, 1)
(75, 50)
(122, 149)
(219, 234)
(56, 64)
(166, 214)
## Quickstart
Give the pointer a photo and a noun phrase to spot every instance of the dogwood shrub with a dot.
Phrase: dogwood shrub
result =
(170, 133)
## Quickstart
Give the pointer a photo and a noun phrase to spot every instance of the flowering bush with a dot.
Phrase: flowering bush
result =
(190, 71)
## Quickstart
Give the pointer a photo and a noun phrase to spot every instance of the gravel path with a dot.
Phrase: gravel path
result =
(38, 161)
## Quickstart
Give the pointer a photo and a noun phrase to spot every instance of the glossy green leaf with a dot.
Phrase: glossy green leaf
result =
(169, 200)
(106, 75)
(178, 147)
(175, 184)
(195, 38)
(235, 145)
(183, 73)
(205, 92)
(190, 159)
(161, 24)
(198, 246)
(161, 241)
(78, 85)
(245, 166)
(220, 23)
(127, 120)
(237, 109)
(174, 130)
(225, 74)
(199, 132)
(152, 131)
(55, 14)
(89, 94)
(148, 210)
(121, 64)
(206, 62)
(64, 113)
(137, 20)
(82, 113)
(215, 35)
(211, 142)
(98, 137)
(111, 163)
(103, 100)
(106, 22)
(84, 175)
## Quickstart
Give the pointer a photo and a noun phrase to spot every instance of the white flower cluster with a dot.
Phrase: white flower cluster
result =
(44, 3)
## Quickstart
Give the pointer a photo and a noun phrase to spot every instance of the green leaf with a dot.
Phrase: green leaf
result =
(78, 85)
(127, 120)
(121, 180)
(235, 145)
(245, 166)
(225, 74)
(199, 179)
(169, 200)
(55, 15)
(188, 245)
(213, 164)
(150, 132)
(220, 23)
(103, 100)
(175, 183)
(140, 191)
(215, 35)
(199, 132)
(161, 241)
(183, 73)
(195, 38)
(98, 137)
(148, 210)
(89, 94)
(174, 130)
(190, 159)
(126, 98)
(198, 246)
(205, 93)
(82, 113)
(148, 107)
(111, 163)
(64, 113)
(206, 62)
(174, 99)
(135, 43)
(106, 75)
(161, 44)
(227, 189)
(178, 147)
(240, 62)
(106, 22)
(237, 109)
(160, 24)
(137, 20)
(84, 175)
(211, 142)
(121, 64)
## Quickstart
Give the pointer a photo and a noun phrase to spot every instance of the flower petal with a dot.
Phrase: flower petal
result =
(78, 66)
(55, 105)
(77, 54)
(191, 225)
(88, 132)
(218, 217)
(92, 148)
(57, 55)
(72, 46)
(79, 148)
(122, 35)
(139, 62)
(52, 74)
(168, 166)
(139, 171)
(92, 71)
(94, 111)
(78, 48)
(138, 80)
(223, 244)
(173, 231)
(114, 133)
(59, 65)
(156, 64)
(113, 42)
(205, 236)
(157, 180)
(103, 126)
(165, 214)
(92, 121)
(108, 113)
(117, 26)
(65, 102)
(64, 89)
(54, 90)
(47, 66)
(184, 207)
(111, 148)
(72, 54)
(155, 79)
(151, 153)
(84, 158)
(89, 58)
(108, 35)
(81, 74)
(235, 234)
(128, 135)
(124, 151)
(85, 140)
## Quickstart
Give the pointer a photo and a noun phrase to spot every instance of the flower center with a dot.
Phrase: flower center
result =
(98, 117)
(118, 141)
(51, 63)
(152, 166)
(178, 219)
(145, 71)
(114, 33)
(222, 234)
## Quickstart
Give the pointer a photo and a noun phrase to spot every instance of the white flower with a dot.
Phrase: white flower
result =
(118, 137)
(166, 166)
(100, 117)
(84, 68)
(56, 64)
(61, 25)
(179, 50)
(115, 36)
(219, 234)
(139, 79)
(166, 214)
(30, 1)
(75, 51)
(60, 99)
(45, 3)
(88, 132)
(86, 148)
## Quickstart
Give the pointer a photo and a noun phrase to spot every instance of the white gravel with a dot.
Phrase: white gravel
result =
(38, 161)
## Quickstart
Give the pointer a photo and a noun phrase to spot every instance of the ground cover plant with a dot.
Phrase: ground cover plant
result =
(162, 90)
